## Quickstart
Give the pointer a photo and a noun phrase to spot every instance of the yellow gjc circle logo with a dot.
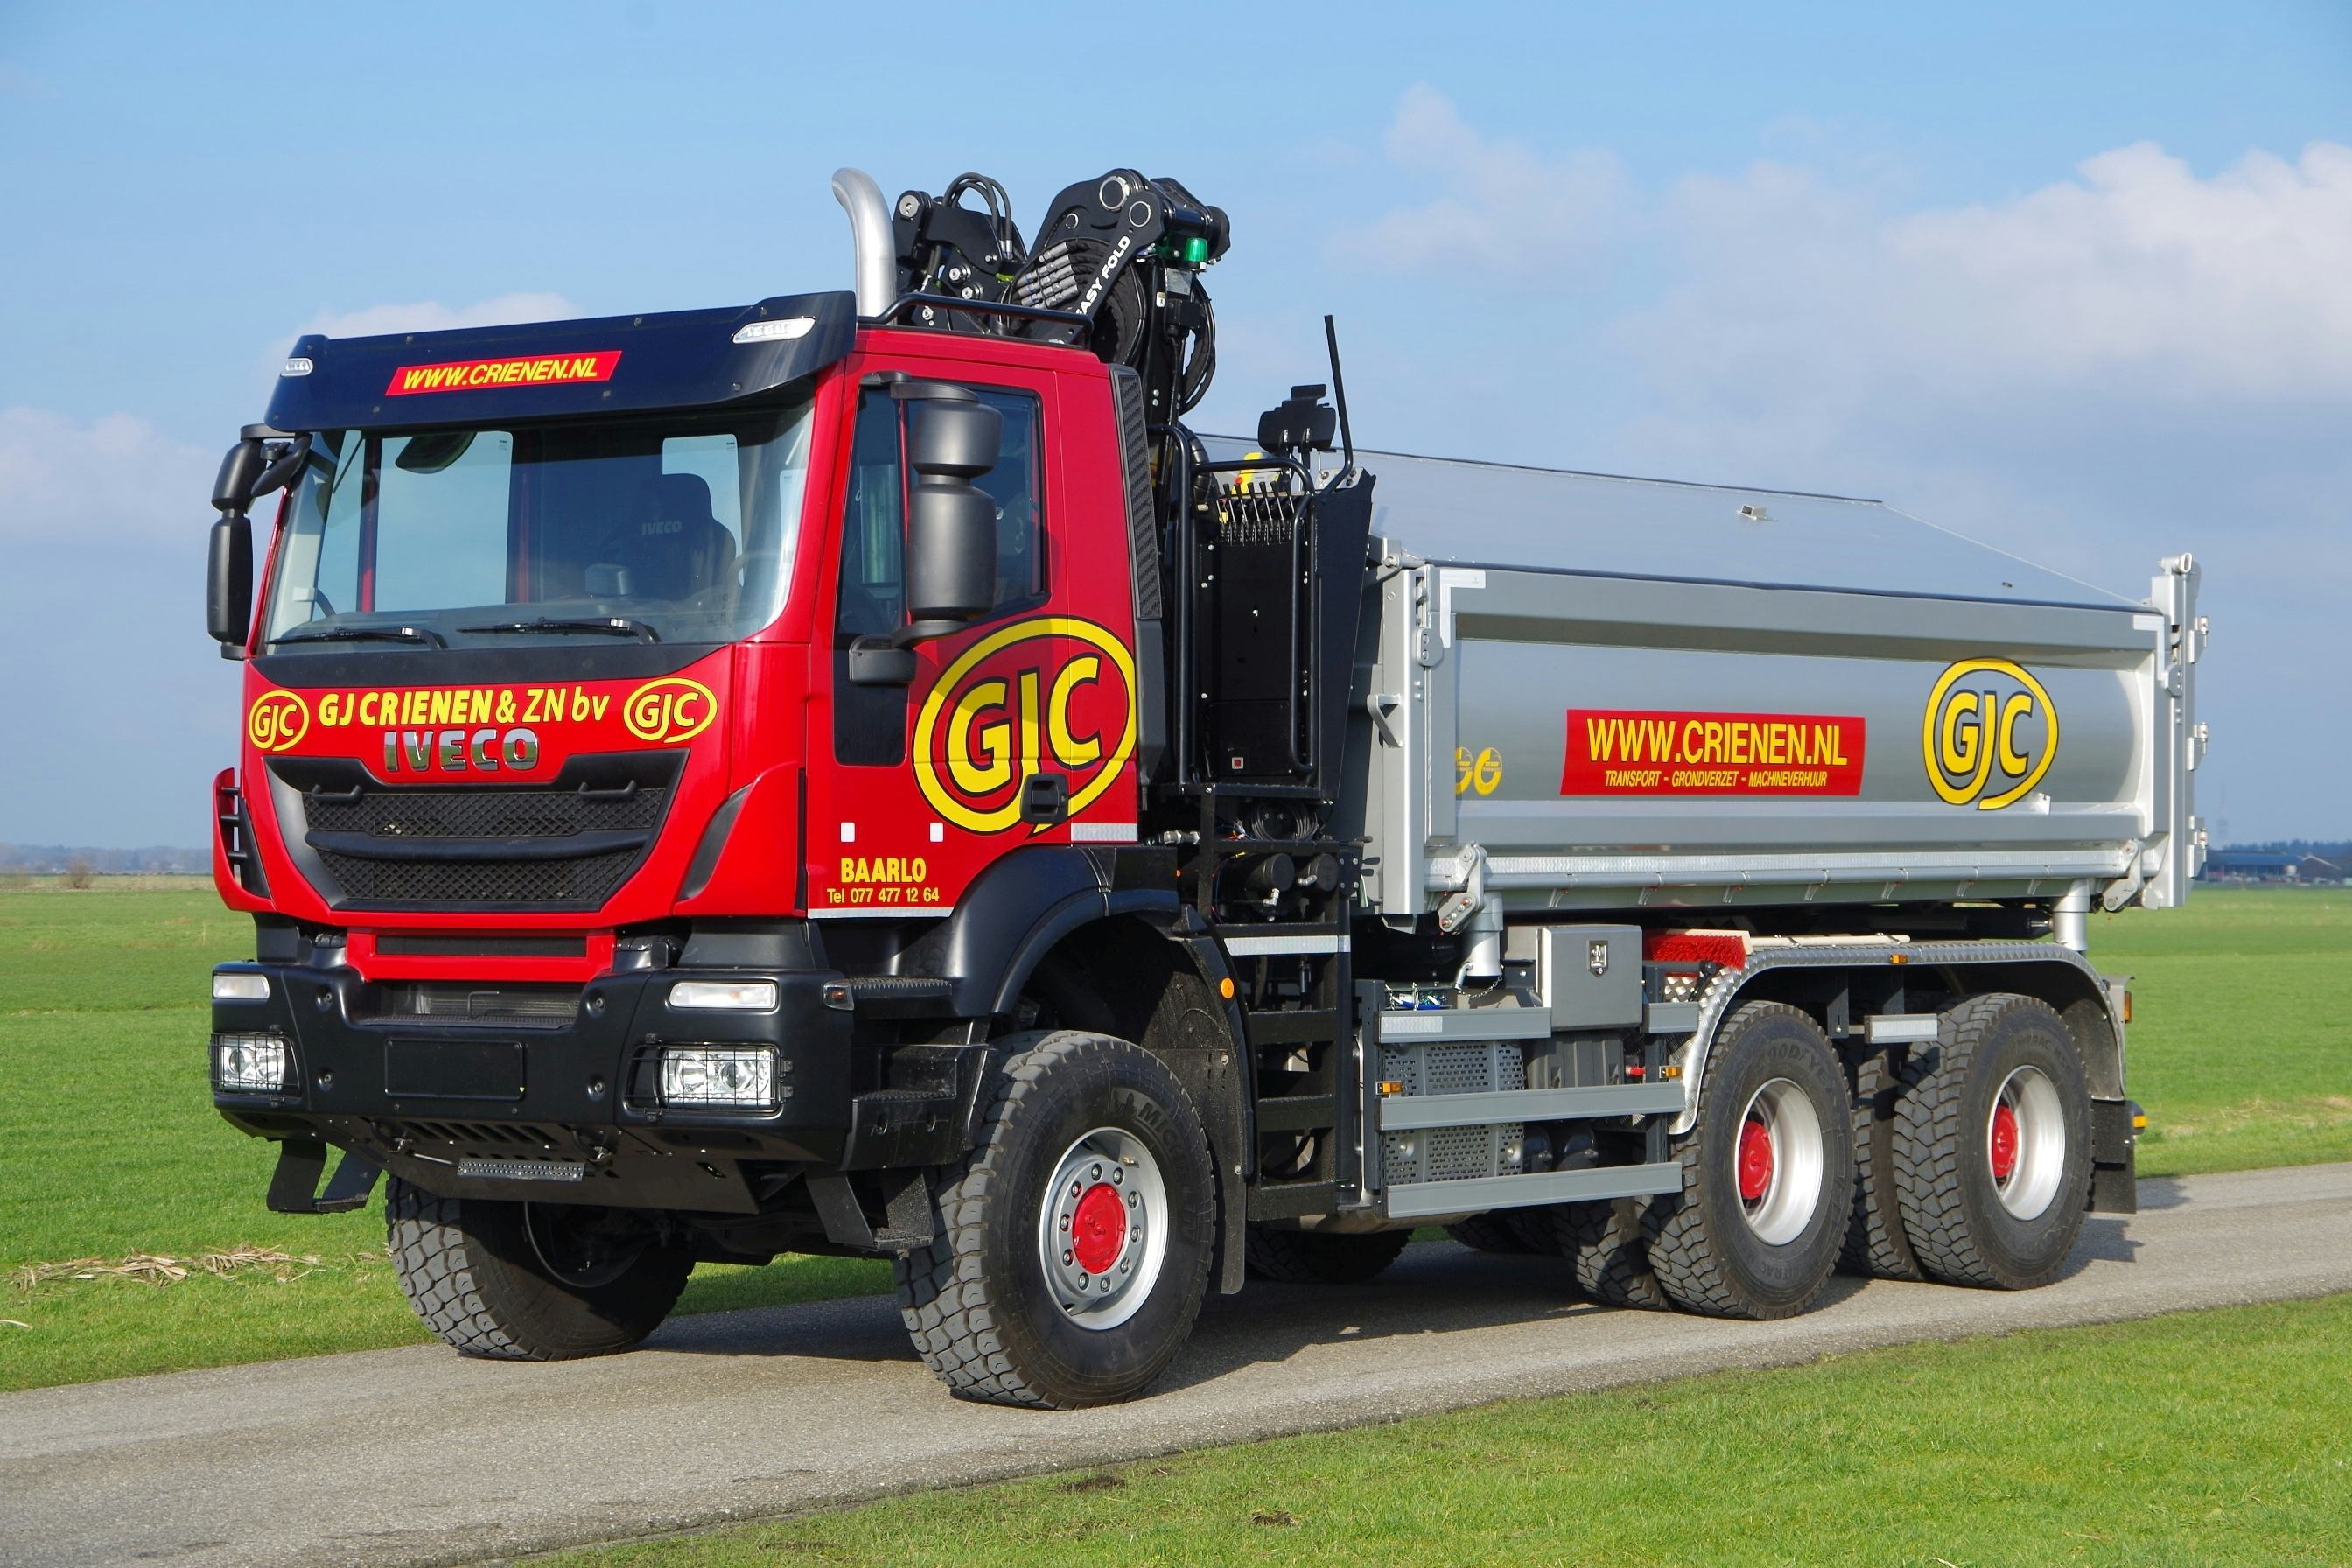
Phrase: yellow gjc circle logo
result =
(671, 709)
(1054, 694)
(278, 720)
(1482, 771)
(1989, 734)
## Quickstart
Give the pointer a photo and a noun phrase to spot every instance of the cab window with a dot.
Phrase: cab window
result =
(870, 721)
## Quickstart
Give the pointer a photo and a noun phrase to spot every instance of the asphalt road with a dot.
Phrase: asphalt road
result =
(414, 1456)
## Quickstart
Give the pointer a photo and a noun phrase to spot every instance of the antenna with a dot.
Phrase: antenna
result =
(1339, 394)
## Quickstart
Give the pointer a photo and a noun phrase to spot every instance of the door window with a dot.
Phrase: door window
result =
(870, 721)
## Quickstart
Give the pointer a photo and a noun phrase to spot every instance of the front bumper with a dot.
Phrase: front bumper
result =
(552, 1108)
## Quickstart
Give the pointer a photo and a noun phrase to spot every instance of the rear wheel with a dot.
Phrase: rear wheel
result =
(518, 1282)
(1072, 1243)
(1993, 1146)
(1497, 1232)
(1875, 1242)
(1605, 1243)
(1323, 1257)
(1768, 1172)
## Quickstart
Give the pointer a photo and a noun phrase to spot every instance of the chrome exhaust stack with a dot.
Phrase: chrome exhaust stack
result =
(876, 270)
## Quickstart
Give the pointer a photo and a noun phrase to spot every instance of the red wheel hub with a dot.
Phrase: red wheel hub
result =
(2004, 1142)
(1755, 1160)
(1098, 1228)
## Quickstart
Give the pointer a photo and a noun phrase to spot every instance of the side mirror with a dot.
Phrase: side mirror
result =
(240, 470)
(228, 586)
(950, 529)
(951, 526)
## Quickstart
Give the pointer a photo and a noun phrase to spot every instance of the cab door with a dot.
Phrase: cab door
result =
(1017, 730)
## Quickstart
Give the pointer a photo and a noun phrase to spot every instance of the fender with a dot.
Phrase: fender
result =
(1014, 912)
(2058, 976)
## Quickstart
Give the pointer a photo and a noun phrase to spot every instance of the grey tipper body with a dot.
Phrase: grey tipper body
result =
(1508, 597)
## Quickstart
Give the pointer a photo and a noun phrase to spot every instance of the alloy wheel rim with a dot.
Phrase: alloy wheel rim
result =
(1102, 1229)
(1781, 1161)
(2025, 1142)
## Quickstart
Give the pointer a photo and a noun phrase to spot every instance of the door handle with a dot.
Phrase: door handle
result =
(1045, 798)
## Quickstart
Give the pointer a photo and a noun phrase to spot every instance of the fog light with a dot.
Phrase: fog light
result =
(742, 1078)
(228, 987)
(729, 996)
(250, 1064)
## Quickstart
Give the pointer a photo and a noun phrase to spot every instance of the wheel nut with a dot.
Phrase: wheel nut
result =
(1117, 1178)
(1066, 1255)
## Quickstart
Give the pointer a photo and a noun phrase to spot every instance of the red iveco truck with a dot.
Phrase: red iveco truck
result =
(855, 773)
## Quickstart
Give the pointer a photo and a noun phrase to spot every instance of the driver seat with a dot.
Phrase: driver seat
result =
(678, 548)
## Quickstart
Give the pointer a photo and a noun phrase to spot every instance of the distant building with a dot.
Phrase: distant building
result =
(2269, 866)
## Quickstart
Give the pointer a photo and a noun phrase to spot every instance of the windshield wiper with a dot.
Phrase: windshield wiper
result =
(367, 633)
(600, 626)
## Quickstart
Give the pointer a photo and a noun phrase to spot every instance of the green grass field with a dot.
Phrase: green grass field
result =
(2219, 1438)
(108, 1145)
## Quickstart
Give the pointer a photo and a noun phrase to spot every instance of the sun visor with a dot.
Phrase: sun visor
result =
(556, 370)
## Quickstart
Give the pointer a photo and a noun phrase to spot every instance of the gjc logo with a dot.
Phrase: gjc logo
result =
(278, 720)
(1989, 733)
(1482, 772)
(1050, 695)
(671, 709)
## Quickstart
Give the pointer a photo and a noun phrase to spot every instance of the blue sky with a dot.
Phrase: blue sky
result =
(2081, 286)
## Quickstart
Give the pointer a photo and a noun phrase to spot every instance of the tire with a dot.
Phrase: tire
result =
(1497, 1232)
(1323, 1257)
(1877, 1246)
(1768, 1173)
(1073, 1118)
(1969, 1222)
(1605, 1242)
(478, 1271)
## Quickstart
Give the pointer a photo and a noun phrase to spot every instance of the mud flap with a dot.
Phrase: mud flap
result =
(2115, 1137)
(301, 1161)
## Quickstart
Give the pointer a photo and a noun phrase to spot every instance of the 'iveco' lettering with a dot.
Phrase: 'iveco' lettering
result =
(460, 750)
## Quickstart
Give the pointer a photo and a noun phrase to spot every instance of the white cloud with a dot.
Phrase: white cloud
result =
(102, 481)
(1502, 209)
(432, 316)
(2128, 360)
(2136, 275)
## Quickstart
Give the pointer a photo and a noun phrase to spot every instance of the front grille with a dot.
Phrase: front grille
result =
(492, 813)
(569, 844)
(530, 883)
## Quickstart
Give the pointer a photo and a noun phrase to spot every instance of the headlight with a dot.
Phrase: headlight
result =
(231, 986)
(728, 996)
(250, 1064)
(740, 1078)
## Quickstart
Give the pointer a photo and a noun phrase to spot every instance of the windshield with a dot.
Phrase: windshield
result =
(676, 528)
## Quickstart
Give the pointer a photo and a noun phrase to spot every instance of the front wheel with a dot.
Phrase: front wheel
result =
(1073, 1243)
(520, 1282)
(1768, 1172)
